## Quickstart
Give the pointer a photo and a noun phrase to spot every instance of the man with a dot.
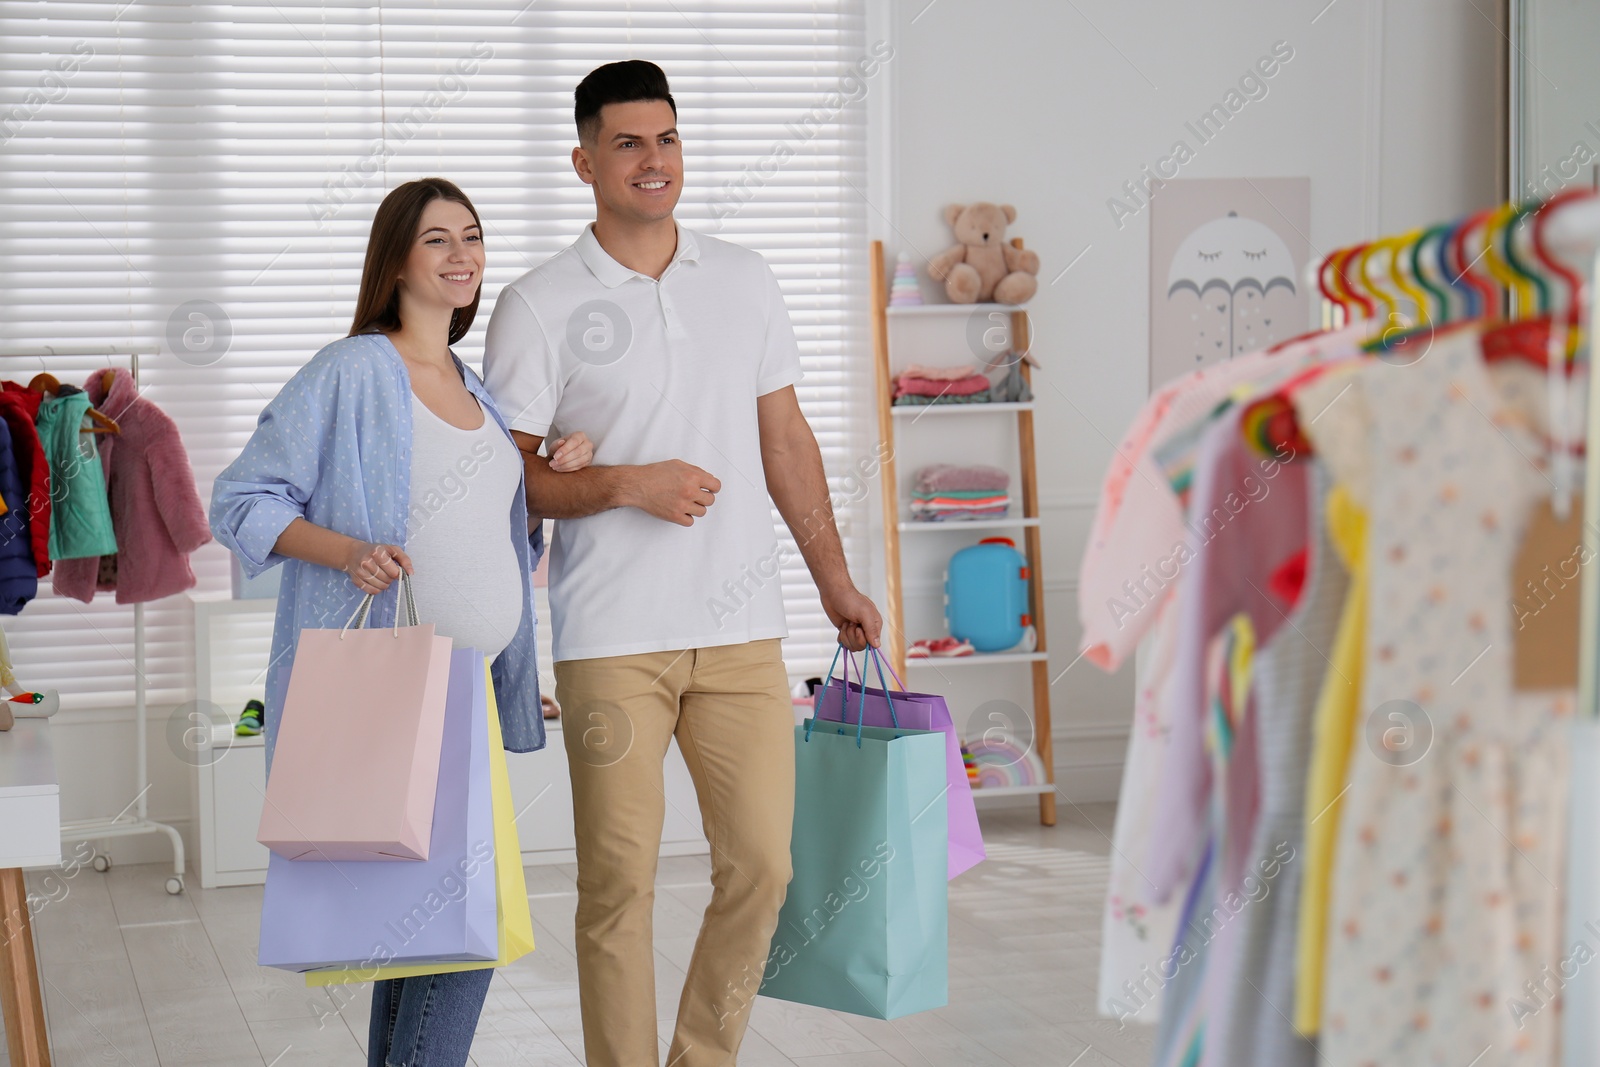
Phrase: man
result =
(675, 352)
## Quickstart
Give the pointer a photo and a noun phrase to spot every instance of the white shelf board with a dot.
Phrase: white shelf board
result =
(951, 309)
(1011, 790)
(915, 410)
(977, 659)
(965, 524)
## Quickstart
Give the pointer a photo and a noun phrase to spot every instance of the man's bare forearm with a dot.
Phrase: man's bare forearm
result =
(799, 487)
(574, 494)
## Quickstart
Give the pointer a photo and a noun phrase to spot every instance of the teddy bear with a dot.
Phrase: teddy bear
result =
(984, 266)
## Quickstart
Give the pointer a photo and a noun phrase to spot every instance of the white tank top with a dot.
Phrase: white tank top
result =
(458, 532)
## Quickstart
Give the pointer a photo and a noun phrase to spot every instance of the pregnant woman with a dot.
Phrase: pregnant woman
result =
(385, 455)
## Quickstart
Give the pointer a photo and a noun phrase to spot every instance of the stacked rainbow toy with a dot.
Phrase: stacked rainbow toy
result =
(903, 291)
(1001, 763)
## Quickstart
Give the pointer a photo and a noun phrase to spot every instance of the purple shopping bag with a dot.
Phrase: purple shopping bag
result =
(841, 701)
(336, 913)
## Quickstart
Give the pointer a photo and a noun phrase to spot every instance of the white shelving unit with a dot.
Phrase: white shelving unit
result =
(971, 524)
(917, 411)
(964, 430)
(919, 310)
(979, 659)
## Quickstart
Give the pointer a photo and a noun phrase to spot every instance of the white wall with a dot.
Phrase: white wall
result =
(1389, 108)
(1051, 106)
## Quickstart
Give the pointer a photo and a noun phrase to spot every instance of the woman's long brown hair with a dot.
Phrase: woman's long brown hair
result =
(394, 228)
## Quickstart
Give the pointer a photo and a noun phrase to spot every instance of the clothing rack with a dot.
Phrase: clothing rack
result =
(1572, 235)
(121, 824)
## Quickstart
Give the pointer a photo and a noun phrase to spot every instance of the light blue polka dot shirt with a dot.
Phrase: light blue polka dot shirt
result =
(334, 447)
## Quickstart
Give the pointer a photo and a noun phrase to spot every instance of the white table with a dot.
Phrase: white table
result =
(30, 836)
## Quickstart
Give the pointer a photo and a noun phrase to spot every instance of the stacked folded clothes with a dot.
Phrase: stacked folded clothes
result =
(941, 385)
(944, 492)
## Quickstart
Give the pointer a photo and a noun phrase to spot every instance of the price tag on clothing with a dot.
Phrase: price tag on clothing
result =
(1545, 599)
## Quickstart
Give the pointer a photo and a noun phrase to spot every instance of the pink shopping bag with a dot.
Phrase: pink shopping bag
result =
(400, 911)
(841, 700)
(355, 767)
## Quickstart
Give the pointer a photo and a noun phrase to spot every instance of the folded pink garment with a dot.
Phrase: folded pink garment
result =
(939, 374)
(962, 502)
(974, 383)
(948, 477)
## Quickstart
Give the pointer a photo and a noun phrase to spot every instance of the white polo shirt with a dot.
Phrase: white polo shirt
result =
(653, 370)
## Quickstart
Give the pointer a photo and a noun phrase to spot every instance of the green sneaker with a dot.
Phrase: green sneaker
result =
(249, 724)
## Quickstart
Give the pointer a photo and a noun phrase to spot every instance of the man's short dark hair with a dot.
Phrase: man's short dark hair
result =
(617, 83)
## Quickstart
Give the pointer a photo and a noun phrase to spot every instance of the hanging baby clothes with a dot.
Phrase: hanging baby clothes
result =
(1206, 911)
(19, 582)
(1125, 592)
(80, 519)
(1139, 521)
(1341, 444)
(1446, 894)
(155, 505)
(1135, 932)
(1249, 516)
(1250, 978)
(34, 469)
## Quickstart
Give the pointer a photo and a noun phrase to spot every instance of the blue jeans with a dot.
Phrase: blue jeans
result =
(425, 1021)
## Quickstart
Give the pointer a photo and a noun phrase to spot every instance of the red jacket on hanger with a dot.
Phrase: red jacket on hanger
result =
(155, 504)
(19, 412)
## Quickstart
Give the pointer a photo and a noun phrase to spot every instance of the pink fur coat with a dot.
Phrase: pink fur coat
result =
(155, 505)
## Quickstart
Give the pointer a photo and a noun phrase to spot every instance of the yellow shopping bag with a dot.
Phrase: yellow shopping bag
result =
(515, 921)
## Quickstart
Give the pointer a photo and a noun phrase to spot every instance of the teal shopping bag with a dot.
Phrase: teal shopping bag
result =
(864, 928)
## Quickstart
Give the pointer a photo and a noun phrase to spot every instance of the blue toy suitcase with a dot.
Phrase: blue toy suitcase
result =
(986, 594)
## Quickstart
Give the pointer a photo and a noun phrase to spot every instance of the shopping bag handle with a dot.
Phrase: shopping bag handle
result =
(359, 618)
(873, 656)
(844, 692)
(884, 662)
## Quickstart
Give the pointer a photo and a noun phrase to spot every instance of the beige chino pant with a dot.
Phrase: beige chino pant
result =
(730, 710)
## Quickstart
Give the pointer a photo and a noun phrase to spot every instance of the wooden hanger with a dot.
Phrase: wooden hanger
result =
(99, 422)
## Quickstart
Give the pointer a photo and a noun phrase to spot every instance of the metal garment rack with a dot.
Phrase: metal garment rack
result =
(139, 822)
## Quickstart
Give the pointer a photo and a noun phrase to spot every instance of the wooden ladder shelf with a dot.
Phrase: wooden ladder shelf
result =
(1038, 663)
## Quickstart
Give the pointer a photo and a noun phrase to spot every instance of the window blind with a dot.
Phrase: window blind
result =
(202, 176)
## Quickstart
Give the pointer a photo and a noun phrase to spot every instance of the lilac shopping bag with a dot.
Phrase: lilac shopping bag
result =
(327, 913)
(841, 701)
(356, 752)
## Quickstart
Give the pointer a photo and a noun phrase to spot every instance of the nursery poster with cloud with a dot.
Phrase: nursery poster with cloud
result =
(1227, 270)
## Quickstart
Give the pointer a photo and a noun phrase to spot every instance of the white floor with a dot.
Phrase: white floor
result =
(135, 977)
